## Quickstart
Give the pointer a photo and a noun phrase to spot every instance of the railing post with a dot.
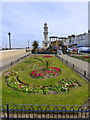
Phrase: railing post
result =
(84, 73)
(66, 61)
(73, 66)
(1, 68)
(11, 63)
(7, 111)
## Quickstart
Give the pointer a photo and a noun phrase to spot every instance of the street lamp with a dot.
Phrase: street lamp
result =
(28, 44)
(9, 34)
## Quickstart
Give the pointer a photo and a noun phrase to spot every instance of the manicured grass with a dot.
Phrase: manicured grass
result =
(77, 95)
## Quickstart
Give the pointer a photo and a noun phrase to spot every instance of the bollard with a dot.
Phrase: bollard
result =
(1, 69)
(66, 61)
(84, 73)
(11, 63)
(62, 59)
(73, 66)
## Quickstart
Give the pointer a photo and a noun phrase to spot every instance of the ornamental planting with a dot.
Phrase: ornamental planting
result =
(64, 85)
(40, 73)
(44, 73)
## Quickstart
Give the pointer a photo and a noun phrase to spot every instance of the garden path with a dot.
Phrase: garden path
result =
(78, 63)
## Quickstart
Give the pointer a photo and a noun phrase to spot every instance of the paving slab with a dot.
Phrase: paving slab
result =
(77, 62)
(5, 61)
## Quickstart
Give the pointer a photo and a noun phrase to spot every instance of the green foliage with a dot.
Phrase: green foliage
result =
(74, 96)
(35, 46)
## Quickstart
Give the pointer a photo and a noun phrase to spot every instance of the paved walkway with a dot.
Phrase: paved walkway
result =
(78, 63)
(8, 60)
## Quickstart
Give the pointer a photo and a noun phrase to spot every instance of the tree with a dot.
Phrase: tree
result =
(35, 46)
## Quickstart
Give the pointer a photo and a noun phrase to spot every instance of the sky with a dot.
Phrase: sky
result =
(25, 21)
(89, 15)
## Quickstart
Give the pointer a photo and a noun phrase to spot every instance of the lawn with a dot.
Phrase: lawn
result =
(76, 95)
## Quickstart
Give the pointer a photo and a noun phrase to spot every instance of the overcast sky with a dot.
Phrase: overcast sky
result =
(25, 20)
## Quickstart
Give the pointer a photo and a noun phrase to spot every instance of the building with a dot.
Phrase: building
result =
(89, 38)
(46, 42)
(82, 39)
(79, 40)
(73, 40)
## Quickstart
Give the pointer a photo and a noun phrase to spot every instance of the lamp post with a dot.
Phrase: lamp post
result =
(28, 44)
(9, 34)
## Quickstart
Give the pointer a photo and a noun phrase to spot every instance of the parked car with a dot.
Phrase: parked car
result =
(71, 49)
(84, 49)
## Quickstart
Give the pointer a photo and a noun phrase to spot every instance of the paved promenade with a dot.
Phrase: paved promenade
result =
(78, 63)
(7, 60)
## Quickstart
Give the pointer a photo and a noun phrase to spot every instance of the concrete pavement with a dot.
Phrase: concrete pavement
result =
(79, 64)
(6, 61)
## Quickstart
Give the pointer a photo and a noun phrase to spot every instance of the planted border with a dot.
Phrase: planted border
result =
(62, 86)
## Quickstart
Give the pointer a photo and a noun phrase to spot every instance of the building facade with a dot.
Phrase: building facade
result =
(73, 40)
(79, 40)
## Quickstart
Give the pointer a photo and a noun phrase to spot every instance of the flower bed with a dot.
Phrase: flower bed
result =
(63, 85)
(85, 56)
(82, 57)
(43, 73)
(47, 56)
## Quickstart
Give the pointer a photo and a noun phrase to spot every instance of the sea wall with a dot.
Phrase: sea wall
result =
(11, 53)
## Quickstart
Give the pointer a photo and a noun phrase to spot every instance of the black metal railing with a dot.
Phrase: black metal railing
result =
(4, 67)
(82, 72)
(60, 112)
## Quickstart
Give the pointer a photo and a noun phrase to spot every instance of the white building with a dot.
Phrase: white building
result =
(89, 38)
(45, 43)
(82, 39)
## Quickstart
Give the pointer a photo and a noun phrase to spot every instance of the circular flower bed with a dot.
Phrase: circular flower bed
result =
(47, 56)
(63, 85)
(43, 73)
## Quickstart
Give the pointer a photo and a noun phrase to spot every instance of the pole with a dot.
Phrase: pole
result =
(28, 44)
(9, 34)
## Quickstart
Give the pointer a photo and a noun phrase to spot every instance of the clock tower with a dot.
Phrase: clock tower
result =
(46, 43)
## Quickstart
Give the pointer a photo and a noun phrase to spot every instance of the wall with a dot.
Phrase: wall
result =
(11, 53)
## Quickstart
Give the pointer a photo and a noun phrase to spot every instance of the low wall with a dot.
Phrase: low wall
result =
(11, 53)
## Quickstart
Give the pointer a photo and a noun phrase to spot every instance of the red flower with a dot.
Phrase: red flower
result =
(34, 72)
(86, 56)
(53, 72)
(47, 56)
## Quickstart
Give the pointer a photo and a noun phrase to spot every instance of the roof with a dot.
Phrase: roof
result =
(53, 37)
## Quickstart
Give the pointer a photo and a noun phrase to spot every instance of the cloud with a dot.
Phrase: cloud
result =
(25, 20)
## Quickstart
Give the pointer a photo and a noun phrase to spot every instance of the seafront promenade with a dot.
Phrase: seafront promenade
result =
(77, 62)
(6, 56)
(79, 65)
